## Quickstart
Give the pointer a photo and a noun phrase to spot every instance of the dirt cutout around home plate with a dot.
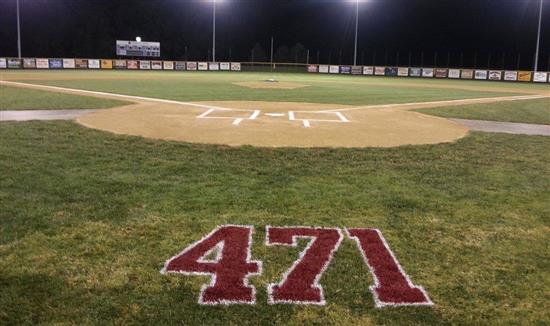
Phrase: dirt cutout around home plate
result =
(270, 85)
(275, 124)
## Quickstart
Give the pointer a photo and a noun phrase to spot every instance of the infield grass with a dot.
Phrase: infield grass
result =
(89, 218)
(17, 98)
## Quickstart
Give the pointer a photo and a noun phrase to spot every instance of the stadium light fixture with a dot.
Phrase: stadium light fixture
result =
(138, 39)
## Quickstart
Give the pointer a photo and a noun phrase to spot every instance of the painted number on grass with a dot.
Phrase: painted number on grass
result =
(225, 255)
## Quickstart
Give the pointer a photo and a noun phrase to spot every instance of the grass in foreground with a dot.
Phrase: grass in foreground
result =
(89, 218)
(16, 98)
(531, 111)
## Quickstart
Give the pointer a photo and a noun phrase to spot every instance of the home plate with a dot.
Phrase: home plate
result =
(275, 114)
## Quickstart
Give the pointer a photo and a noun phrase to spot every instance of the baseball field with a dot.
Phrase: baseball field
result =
(92, 209)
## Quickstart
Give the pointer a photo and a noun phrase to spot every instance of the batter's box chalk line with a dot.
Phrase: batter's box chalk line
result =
(324, 116)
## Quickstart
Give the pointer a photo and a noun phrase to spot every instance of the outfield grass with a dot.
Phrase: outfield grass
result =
(531, 111)
(200, 86)
(88, 219)
(16, 98)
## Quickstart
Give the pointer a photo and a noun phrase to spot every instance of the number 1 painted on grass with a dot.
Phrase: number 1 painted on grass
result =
(232, 266)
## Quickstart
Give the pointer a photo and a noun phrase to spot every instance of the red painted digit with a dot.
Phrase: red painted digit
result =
(392, 285)
(230, 269)
(300, 283)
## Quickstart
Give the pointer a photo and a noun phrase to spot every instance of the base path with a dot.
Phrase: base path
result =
(29, 115)
(275, 124)
(505, 127)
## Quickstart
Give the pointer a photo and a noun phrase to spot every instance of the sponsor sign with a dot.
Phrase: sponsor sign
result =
(312, 68)
(427, 72)
(93, 64)
(193, 66)
(402, 72)
(369, 71)
(213, 66)
(467, 74)
(106, 64)
(323, 69)
(156, 65)
(29, 63)
(14, 63)
(56, 63)
(524, 76)
(454, 73)
(495, 75)
(81, 63)
(144, 64)
(379, 71)
(415, 72)
(390, 71)
(345, 70)
(441, 73)
(334, 69)
(42, 63)
(68, 63)
(540, 77)
(235, 66)
(480, 74)
(203, 66)
(224, 66)
(132, 64)
(356, 70)
(511, 75)
(168, 65)
(3, 64)
(120, 64)
(137, 49)
(179, 65)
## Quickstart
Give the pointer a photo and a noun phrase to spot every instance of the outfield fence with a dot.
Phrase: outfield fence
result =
(163, 65)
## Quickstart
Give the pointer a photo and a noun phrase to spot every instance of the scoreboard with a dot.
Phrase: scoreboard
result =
(137, 49)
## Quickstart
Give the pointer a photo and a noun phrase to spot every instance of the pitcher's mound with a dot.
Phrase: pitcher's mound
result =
(275, 124)
(269, 84)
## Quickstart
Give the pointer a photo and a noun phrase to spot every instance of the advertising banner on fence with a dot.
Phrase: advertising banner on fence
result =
(3, 64)
(390, 71)
(379, 71)
(213, 66)
(524, 76)
(56, 64)
(427, 72)
(156, 65)
(192, 66)
(540, 77)
(334, 69)
(369, 71)
(168, 65)
(356, 70)
(93, 64)
(235, 66)
(81, 63)
(454, 73)
(224, 66)
(511, 75)
(441, 73)
(495, 75)
(203, 66)
(323, 69)
(120, 64)
(179, 65)
(312, 68)
(480, 74)
(42, 63)
(345, 70)
(415, 72)
(106, 64)
(68, 63)
(144, 64)
(403, 72)
(29, 63)
(467, 74)
(132, 64)
(14, 63)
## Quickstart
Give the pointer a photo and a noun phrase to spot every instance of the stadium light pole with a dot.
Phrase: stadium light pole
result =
(18, 32)
(214, 30)
(538, 39)
(356, 31)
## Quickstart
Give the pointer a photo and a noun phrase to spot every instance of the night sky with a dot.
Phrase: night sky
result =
(497, 30)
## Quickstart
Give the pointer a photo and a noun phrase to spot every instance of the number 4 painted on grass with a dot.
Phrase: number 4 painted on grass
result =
(232, 266)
